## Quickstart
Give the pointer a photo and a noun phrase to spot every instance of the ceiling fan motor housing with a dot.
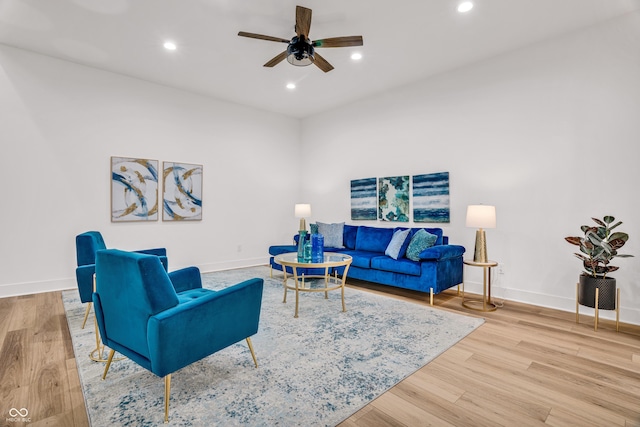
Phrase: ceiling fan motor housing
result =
(300, 52)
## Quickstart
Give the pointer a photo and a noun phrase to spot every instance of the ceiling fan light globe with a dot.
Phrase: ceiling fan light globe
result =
(300, 53)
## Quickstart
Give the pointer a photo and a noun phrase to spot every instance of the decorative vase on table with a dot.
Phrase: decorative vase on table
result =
(317, 248)
(306, 251)
(302, 238)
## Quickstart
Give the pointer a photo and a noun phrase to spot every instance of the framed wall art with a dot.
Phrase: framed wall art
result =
(393, 198)
(134, 189)
(364, 199)
(182, 192)
(431, 197)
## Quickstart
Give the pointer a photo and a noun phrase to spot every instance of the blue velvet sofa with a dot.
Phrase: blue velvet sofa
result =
(439, 267)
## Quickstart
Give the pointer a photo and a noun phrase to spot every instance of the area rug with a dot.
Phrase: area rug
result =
(315, 370)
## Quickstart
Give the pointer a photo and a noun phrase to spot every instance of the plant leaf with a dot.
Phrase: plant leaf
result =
(614, 226)
(608, 219)
(573, 240)
(597, 221)
(618, 235)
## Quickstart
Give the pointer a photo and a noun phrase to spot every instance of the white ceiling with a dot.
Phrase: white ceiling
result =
(404, 41)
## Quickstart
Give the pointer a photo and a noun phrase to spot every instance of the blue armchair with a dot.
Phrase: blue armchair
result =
(87, 244)
(166, 321)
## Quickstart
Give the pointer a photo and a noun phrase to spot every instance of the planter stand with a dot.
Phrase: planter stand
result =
(617, 307)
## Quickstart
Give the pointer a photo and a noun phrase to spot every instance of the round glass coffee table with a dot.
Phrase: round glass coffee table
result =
(301, 282)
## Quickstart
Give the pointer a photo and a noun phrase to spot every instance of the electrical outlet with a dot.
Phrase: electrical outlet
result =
(239, 248)
(501, 269)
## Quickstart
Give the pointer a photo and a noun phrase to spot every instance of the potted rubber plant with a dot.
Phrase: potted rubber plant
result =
(598, 246)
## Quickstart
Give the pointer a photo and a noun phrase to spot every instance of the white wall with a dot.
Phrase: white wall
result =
(61, 123)
(547, 134)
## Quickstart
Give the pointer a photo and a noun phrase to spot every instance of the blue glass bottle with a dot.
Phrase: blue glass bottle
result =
(317, 248)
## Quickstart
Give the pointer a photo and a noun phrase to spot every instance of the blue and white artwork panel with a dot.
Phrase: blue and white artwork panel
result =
(364, 199)
(182, 192)
(431, 198)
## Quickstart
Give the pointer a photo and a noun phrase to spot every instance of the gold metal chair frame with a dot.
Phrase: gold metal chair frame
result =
(98, 353)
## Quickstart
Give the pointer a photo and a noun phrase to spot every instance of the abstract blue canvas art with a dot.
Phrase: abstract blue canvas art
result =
(182, 192)
(364, 199)
(431, 197)
(134, 189)
(393, 198)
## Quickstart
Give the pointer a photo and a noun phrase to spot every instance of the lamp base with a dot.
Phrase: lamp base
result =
(303, 225)
(480, 252)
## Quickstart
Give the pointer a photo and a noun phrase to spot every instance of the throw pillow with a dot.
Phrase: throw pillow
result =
(333, 234)
(313, 227)
(419, 242)
(396, 244)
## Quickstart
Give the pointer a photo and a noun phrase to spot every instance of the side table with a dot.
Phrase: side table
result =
(484, 304)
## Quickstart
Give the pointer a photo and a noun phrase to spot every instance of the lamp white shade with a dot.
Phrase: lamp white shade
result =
(303, 210)
(481, 216)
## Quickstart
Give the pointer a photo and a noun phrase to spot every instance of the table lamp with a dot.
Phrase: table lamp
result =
(481, 217)
(302, 211)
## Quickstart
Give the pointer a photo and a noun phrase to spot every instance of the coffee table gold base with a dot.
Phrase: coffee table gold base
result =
(301, 282)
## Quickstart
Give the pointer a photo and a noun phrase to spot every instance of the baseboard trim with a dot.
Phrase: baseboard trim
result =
(28, 288)
(628, 314)
(54, 285)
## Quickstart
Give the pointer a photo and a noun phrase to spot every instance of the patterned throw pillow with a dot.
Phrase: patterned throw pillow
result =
(420, 241)
(313, 227)
(333, 234)
(396, 243)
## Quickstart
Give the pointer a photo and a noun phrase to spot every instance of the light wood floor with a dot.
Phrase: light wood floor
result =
(525, 366)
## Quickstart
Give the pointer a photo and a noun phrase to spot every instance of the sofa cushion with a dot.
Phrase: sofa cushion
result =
(349, 236)
(373, 239)
(419, 242)
(402, 265)
(361, 259)
(333, 234)
(397, 243)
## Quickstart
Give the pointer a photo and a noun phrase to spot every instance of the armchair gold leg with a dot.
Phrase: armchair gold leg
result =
(86, 314)
(106, 368)
(253, 354)
(167, 393)
(430, 296)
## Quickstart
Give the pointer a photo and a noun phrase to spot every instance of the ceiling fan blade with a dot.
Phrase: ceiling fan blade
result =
(276, 59)
(261, 37)
(303, 21)
(322, 63)
(339, 42)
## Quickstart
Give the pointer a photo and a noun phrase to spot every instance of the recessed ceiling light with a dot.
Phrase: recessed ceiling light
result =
(465, 6)
(291, 86)
(356, 56)
(170, 46)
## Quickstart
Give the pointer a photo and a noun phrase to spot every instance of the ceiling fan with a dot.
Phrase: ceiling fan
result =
(301, 50)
